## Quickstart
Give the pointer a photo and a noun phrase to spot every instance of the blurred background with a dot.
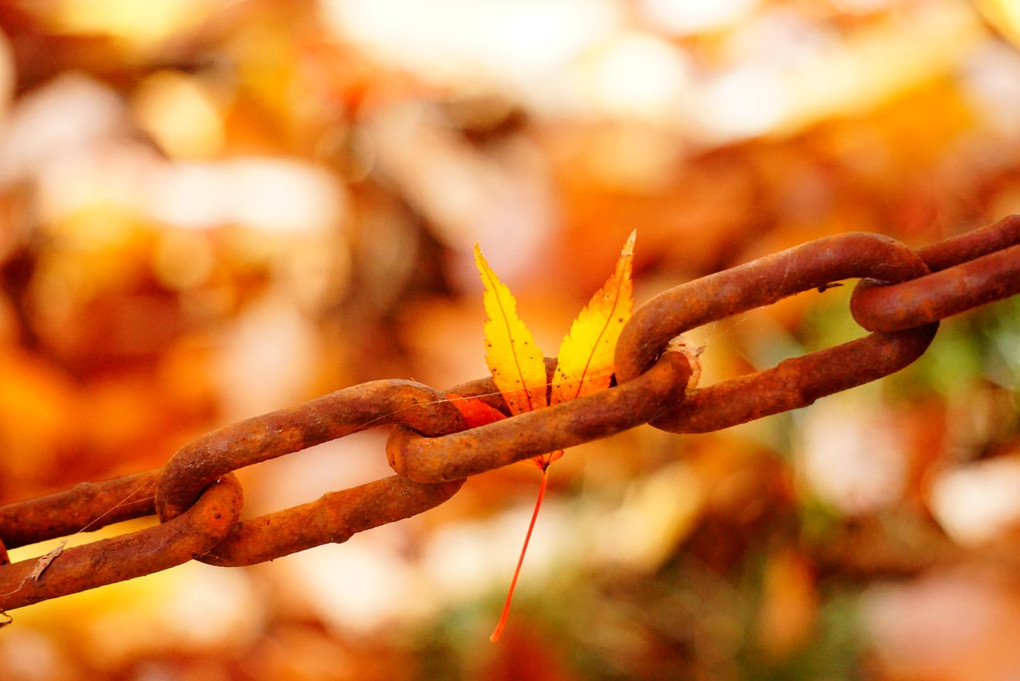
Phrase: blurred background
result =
(212, 209)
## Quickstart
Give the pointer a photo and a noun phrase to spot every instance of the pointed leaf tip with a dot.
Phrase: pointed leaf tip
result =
(585, 360)
(515, 361)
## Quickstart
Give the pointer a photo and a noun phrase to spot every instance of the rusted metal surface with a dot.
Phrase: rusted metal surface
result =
(332, 416)
(972, 245)
(140, 553)
(939, 295)
(332, 519)
(764, 281)
(974, 269)
(900, 298)
(429, 459)
(796, 382)
(87, 505)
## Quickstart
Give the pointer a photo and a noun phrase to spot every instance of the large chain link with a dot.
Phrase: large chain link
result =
(900, 299)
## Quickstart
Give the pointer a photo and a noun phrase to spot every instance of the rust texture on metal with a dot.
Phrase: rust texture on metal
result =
(796, 382)
(469, 452)
(132, 555)
(329, 417)
(334, 518)
(988, 273)
(88, 505)
(761, 282)
(900, 298)
(972, 245)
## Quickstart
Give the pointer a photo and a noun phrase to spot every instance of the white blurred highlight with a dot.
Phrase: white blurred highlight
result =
(978, 502)
(462, 41)
(271, 195)
(684, 17)
(851, 455)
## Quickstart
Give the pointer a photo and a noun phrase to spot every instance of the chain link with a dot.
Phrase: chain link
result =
(900, 297)
(970, 270)
(61, 572)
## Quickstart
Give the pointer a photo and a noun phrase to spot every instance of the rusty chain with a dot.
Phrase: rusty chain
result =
(901, 296)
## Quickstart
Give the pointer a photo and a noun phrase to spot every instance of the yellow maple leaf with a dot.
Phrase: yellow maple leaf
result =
(513, 358)
(584, 363)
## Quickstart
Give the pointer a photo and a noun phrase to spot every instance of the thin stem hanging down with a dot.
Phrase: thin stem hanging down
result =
(520, 561)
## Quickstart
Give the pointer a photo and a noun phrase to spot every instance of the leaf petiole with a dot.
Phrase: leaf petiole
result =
(524, 549)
